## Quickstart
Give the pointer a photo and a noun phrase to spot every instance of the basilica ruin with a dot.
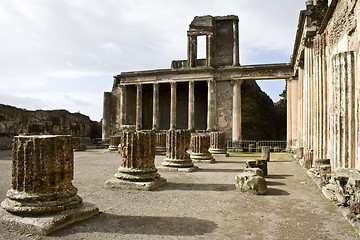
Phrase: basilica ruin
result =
(201, 95)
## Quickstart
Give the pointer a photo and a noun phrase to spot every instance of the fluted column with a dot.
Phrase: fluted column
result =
(42, 174)
(236, 130)
(173, 106)
(200, 149)
(138, 107)
(137, 169)
(217, 143)
(156, 118)
(114, 143)
(161, 142)
(177, 144)
(191, 114)
(211, 114)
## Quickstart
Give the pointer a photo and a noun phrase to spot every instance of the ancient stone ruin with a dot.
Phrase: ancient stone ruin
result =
(177, 158)
(200, 145)
(137, 170)
(201, 95)
(42, 175)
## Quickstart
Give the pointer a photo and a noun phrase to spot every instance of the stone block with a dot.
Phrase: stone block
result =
(258, 163)
(249, 182)
(256, 171)
(265, 153)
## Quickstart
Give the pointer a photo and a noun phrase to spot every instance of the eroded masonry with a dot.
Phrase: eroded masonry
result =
(196, 94)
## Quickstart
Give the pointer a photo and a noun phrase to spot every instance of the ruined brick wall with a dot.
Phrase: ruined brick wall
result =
(14, 121)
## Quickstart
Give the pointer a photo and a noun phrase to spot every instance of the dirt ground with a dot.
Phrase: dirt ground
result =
(197, 205)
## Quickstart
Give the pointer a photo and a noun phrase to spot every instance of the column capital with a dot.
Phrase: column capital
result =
(191, 83)
(172, 83)
(211, 81)
(139, 86)
(237, 81)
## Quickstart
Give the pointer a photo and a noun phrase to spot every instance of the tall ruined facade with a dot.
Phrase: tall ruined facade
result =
(324, 94)
(198, 94)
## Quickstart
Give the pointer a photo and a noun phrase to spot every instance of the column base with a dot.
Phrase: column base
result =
(113, 148)
(130, 185)
(178, 163)
(46, 224)
(202, 157)
(217, 151)
(176, 169)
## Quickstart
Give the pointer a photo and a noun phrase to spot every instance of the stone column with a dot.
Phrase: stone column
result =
(191, 114)
(192, 50)
(177, 144)
(122, 105)
(161, 142)
(138, 107)
(211, 114)
(265, 153)
(114, 143)
(106, 122)
(137, 169)
(217, 143)
(173, 106)
(236, 130)
(236, 43)
(210, 57)
(156, 118)
(42, 174)
(200, 149)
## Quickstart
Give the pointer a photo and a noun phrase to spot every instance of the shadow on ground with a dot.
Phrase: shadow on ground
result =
(144, 225)
(199, 187)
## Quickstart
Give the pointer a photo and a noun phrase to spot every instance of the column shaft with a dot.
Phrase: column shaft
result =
(236, 131)
(173, 106)
(122, 105)
(211, 114)
(155, 107)
(138, 107)
(191, 114)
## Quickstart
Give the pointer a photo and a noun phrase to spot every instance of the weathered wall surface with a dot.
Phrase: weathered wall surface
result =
(14, 121)
(260, 118)
(326, 64)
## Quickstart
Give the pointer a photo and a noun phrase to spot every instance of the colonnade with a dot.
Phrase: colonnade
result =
(211, 106)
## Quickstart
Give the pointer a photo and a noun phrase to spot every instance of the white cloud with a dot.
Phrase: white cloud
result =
(77, 45)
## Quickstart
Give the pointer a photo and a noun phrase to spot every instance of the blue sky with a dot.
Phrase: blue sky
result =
(63, 54)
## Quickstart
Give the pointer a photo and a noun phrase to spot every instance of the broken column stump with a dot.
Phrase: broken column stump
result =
(250, 182)
(114, 143)
(200, 149)
(161, 142)
(217, 143)
(265, 153)
(42, 198)
(137, 170)
(177, 158)
(258, 163)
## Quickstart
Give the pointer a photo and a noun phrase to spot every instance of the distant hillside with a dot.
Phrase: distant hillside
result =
(15, 121)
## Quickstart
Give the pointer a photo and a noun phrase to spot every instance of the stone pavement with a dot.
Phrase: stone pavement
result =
(197, 205)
